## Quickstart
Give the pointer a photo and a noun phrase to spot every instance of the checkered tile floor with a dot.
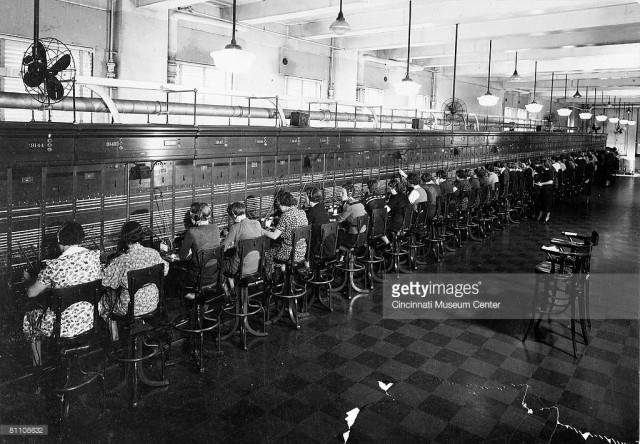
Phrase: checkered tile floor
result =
(453, 381)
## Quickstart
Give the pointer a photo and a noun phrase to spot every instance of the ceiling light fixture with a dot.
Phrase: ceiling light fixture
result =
(602, 117)
(232, 58)
(340, 26)
(534, 107)
(564, 111)
(614, 119)
(515, 77)
(624, 120)
(488, 99)
(631, 122)
(407, 87)
(577, 95)
(586, 115)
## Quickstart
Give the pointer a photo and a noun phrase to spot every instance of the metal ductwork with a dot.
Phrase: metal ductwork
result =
(93, 105)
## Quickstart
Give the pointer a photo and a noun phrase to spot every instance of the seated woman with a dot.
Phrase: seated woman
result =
(351, 209)
(135, 257)
(241, 229)
(417, 194)
(395, 207)
(292, 217)
(376, 198)
(464, 186)
(202, 235)
(317, 215)
(76, 265)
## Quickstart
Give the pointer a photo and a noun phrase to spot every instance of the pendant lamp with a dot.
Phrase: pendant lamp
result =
(407, 87)
(614, 119)
(564, 111)
(534, 107)
(232, 58)
(601, 117)
(624, 120)
(631, 122)
(577, 95)
(488, 99)
(340, 26)
(586, 115)
(515, 77)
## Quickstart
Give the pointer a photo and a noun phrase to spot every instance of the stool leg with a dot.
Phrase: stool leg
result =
(573, 328)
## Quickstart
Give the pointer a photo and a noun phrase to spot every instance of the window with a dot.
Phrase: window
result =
(11, 81)
(517, 115)
(373, 97)
(422, 102)
(201, 76)
(308, 89)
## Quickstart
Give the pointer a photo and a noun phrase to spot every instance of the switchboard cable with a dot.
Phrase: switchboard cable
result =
(163, 229)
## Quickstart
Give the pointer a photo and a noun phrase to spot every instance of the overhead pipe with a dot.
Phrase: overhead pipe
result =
(111, 63)
(172, 48)
(94, 105)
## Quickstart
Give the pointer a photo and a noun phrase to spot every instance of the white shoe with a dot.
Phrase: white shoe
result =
(190, 296)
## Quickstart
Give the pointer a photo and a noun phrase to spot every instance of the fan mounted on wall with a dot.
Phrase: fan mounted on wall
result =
(48, 69)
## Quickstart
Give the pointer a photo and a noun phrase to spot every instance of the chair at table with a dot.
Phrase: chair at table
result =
(323, 258)
(138, 349)
(290, 290)
(247, 287)
(198, 320)
(563, 289)
(348, 265)
(371, 259)
(398, 253)
(69, 350)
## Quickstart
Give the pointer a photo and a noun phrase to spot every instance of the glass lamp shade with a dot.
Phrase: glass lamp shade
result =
(233, 59)
(564, 112)
(340, 26)
(515, 77)
(613, 119)
(631, 122)
(585, 116)
(407, 87)
(601, 118)
(623, 121)
(533, 107)
(488, 99)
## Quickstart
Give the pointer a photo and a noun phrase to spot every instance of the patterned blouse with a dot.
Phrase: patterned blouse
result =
(76, 265)
(290, 219)
(115, 276)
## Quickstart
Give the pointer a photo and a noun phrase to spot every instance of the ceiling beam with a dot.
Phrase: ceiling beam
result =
(534, 26)
(165, 5)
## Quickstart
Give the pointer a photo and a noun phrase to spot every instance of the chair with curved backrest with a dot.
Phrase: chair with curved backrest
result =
(249, 276)
(564, 288)
(484, 219)
(138, 349)
(371, 258)
(68, 350)
(323, 258)
(397, 252)
(198, 321)
(418, 232)
(290, 290)
(348, 265)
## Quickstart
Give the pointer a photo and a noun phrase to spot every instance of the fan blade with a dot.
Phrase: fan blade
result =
(34, 76)
(61, 64)
(55, 90)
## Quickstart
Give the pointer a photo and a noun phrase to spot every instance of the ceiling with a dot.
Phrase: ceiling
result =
(594, 41)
